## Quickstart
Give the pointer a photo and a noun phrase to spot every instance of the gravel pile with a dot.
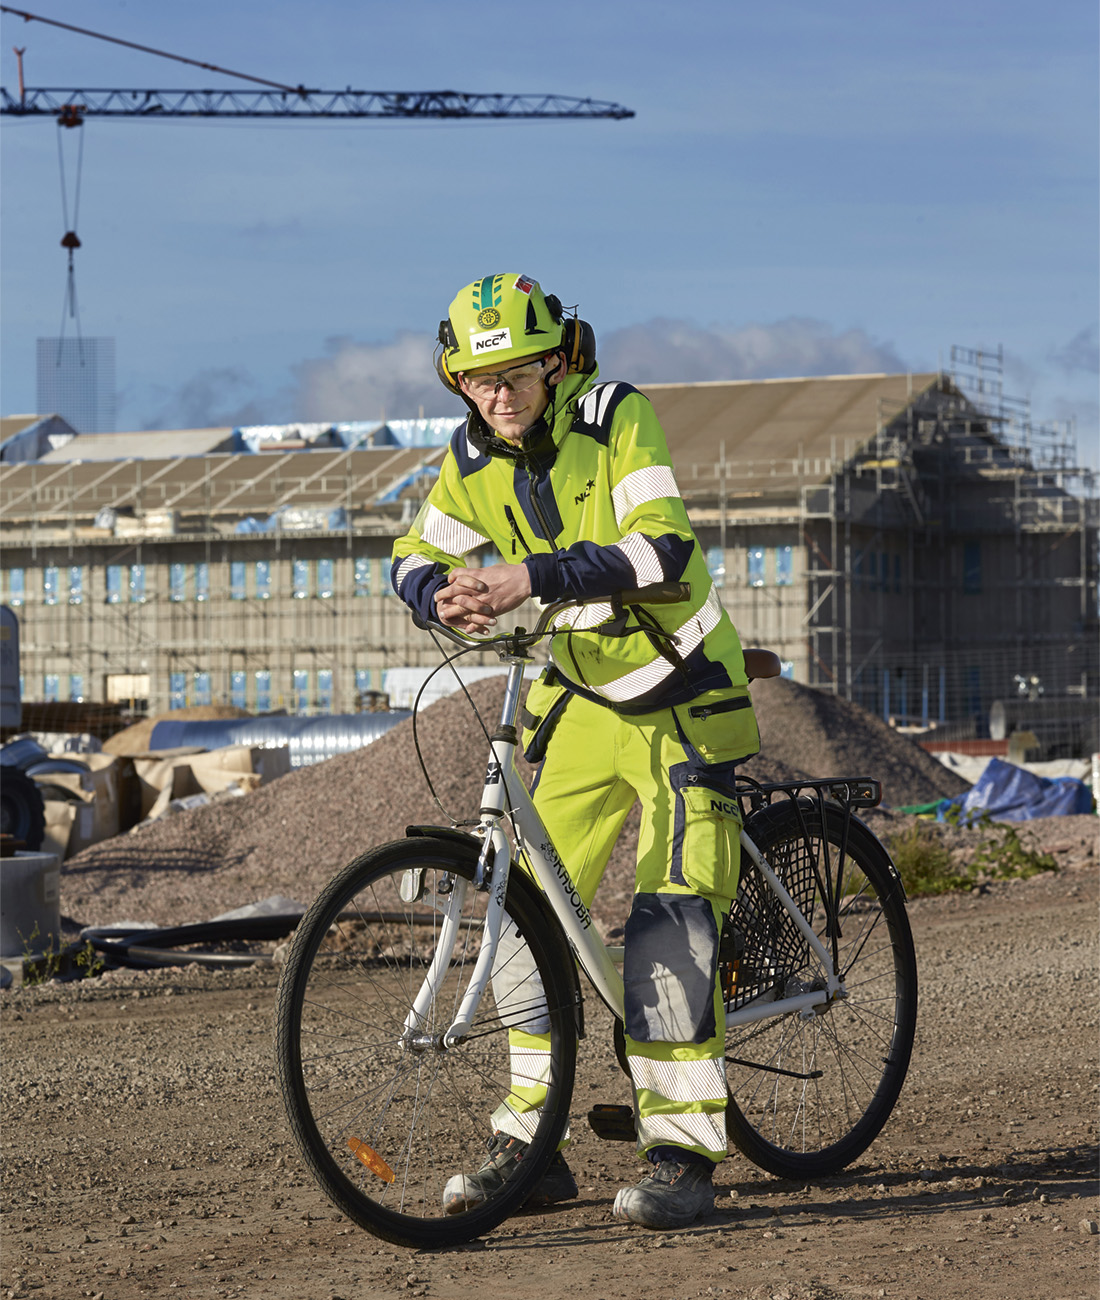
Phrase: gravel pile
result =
(289, 837)
(824, 735)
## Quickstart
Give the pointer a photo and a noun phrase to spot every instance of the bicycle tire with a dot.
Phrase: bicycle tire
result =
(784, 1120)
(419, 1116)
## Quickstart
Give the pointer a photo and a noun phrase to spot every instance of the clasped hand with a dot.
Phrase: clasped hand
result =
(472, 598)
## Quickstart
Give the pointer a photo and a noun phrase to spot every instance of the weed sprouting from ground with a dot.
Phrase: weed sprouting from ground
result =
(927, 865)
(925, 862)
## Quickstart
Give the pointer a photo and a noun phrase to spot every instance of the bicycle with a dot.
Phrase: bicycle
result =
(416, 959)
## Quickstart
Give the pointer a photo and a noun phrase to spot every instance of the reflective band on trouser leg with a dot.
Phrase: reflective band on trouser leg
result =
(518, 1114)
(679, 1102)
(521, 1001)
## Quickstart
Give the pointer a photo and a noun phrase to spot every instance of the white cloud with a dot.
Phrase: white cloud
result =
(208, 400)
(368, 381)
(676, 351)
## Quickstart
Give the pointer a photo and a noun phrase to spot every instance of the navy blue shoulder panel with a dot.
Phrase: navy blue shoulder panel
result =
(596, 409)
(467, 457)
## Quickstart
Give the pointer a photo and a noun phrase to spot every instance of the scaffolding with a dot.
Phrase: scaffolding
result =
(918, 556)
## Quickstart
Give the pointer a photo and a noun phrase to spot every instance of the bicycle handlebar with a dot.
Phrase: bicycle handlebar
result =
(657, 593)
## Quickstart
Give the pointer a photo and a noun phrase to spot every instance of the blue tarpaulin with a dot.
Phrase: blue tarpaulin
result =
(1008, 793)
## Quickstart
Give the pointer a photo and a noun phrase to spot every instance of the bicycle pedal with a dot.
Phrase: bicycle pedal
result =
(612, 1123)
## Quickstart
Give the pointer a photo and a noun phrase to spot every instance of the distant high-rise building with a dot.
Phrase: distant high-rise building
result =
(76, 380)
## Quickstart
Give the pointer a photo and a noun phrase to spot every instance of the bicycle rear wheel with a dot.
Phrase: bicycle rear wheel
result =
(809, 1095)
(382, 1110)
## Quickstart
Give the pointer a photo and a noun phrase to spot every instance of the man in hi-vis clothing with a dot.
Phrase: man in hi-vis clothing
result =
(571, 480)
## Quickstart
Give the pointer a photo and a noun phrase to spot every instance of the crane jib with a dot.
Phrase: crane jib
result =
(301, 103)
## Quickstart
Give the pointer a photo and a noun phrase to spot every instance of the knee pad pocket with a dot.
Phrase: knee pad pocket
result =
(671, 952)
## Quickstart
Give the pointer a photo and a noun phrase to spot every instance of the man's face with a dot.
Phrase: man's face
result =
(511, 398)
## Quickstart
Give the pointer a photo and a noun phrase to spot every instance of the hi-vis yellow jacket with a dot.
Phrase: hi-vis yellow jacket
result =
(590, 505)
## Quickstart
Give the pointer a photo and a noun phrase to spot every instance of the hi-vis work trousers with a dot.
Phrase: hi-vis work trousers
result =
(679, 764)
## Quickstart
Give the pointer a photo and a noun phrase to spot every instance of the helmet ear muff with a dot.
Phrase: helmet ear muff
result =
(579, 345)
(448, 342)
(443, 371)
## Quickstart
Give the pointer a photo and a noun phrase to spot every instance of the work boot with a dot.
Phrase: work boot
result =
(465, 1191)
(671, 1195)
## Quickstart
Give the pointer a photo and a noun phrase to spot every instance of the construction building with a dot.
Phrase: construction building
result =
(911, 542)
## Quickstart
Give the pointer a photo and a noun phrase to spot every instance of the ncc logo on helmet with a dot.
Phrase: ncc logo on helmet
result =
(491, 342)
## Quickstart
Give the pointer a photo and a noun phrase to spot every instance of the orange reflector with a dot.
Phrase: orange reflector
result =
(371, 1159)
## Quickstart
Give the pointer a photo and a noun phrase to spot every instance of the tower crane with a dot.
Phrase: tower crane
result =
(71, 107)
(275, 100)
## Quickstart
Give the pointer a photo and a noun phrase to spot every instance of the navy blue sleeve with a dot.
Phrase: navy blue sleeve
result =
(417, 585)
(585, 569)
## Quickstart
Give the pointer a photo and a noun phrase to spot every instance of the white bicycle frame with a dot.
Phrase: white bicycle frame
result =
(506, 795)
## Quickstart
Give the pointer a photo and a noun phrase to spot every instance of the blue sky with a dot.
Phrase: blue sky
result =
(805, 189)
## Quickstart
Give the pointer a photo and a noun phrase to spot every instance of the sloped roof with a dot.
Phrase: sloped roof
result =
(149, 445)
(766, 420)
(10, 425)
(775, 436)
(217, 484)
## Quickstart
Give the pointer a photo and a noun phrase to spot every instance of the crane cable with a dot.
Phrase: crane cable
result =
(148, 49)
(70, 239)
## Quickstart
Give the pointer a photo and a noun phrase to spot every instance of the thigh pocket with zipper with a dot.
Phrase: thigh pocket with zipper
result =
(721, 726)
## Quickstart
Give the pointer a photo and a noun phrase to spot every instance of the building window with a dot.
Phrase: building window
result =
(263, 690)
(263, 579)
(137, 584)
(716, 566)
(177, 583)
(784, 566)
(897, 575)
(362, 576)
(17, 586)
(324, 579)
(387, 585)
(202, 580)
(51, 581)
(300, 579)
(76, 687)
(362, 687)
(114, 583)
(324, 689)
(756, 566)
(972, 568)
(236, 580)
(300, 690)
(238, 689)
(76, 584)
(177, 690)
(201, 688)
(51, 688)
(974, 690)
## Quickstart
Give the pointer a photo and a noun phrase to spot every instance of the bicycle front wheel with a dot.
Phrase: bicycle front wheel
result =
(384, 1111)
(809, 1092)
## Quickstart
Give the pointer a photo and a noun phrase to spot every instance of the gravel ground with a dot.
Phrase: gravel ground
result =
(146, 1153)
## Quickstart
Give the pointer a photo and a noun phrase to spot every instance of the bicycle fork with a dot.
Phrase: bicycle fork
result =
(493, 866)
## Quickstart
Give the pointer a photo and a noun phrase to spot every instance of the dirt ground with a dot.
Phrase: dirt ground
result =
(145, 1151)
